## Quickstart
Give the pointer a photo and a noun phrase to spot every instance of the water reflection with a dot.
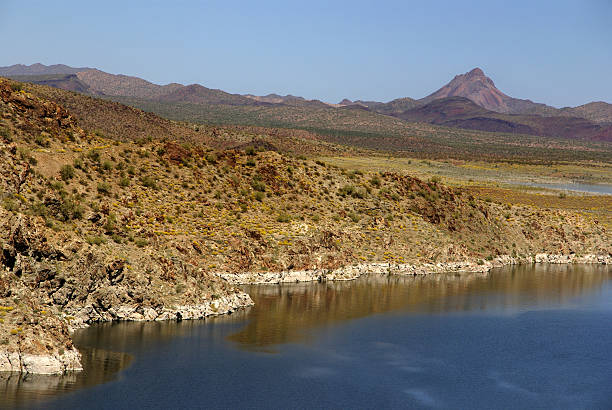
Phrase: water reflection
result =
(293, 313)
(106, 350)
(289, 313)
(100, 366)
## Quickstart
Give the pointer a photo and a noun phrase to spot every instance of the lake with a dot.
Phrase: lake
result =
(536, 336)
(598, 189)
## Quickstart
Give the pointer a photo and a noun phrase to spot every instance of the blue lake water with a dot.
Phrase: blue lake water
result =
(535, 336)
(599, 189)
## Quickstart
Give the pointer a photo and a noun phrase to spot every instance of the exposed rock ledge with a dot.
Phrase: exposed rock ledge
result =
(355, 271)
(69, 360)
(226, 304)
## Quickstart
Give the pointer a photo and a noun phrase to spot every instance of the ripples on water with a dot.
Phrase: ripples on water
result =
(314, 316)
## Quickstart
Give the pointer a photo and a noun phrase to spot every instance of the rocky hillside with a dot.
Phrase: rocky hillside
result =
(96, 228)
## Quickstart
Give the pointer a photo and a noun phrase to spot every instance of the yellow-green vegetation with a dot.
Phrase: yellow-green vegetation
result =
(90, 223)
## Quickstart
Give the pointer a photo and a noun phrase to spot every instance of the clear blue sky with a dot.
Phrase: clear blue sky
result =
(557, 52)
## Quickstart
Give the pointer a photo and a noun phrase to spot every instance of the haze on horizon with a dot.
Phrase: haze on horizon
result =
(554, 52)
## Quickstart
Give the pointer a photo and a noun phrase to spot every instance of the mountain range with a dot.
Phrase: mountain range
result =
(468, 101)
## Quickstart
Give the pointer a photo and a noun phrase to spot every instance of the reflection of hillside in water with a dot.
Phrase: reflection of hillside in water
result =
(99, 345)
(286, 313)
(101, 366)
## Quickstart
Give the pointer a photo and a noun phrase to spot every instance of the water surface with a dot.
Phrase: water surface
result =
(522, 337)
(599, 189)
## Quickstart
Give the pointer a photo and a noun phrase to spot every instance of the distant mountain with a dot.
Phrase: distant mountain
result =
(460, 112)
(123, 85)
(481, 90)
(469, 101)
(39, 69)
(68, 82)
(598, 111)
(287, 100)
(477, 87)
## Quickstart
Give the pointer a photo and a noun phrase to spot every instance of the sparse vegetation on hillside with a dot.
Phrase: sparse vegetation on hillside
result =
(93, 221)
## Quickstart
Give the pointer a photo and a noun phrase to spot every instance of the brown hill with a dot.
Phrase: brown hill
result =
(480, 89)
(39, 69)
(69, 82)
(461, 112)
(197, 94)
(112, 84)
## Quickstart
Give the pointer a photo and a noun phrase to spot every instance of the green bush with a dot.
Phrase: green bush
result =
(211, 158)
(104, 188)
(141, 242)
(6, 134)
(93, 155)
(78, 163)
(70, 210)
(258, 186)
(95, 240)
(283, 217)
(148, 182)
(124, 182)
(67, 172)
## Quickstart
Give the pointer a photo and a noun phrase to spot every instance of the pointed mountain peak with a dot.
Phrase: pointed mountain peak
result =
(476, 72)
(475, 86)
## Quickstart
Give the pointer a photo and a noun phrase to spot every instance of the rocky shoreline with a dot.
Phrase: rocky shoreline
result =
(69, 360)
(353, 272)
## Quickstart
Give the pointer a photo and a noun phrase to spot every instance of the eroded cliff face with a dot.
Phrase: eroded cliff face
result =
(50, 284)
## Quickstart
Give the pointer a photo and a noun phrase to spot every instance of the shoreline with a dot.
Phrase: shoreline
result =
(352, 272)
(69, 361)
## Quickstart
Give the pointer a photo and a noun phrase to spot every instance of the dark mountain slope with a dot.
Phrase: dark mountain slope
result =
(461, 112)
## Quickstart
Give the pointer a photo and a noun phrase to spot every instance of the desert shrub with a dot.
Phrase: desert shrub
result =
(250, 151)
(111, 222)
(67, 172)
(39, 209)
(6, 134)
(10, 205)
(283, 217)
(258, 186)
(69, 210)
(375, 181)
(250, 162)
(78, 163)
(124, 182)
(56, 185)
(259, 196)
(104, 188)
(95, 240)
(93, 155)
(107, 165)
(141, 242)
(41, 140)
(211, 158)
(149, 182)
(346, 190)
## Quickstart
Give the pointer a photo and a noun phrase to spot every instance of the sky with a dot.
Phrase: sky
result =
(556, 52)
